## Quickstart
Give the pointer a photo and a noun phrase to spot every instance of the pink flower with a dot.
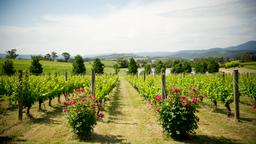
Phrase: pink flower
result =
(158, 110)
(194, 90)
(184, 101)
(81, 90)
(65, 102)
(72, 102)
(201, 96)
(100, 115)
(193, 99)
(188, 105)
(92, 105)
(158, 98)
(254, 106)
(92, 97)
(65, 110)
(175, 90)
(83, 99)
(183, 97)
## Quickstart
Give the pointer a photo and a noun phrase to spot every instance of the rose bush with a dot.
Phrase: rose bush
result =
(177, 112)
(81, 112)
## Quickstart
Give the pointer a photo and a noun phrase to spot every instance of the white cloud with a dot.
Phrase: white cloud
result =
(160, 26)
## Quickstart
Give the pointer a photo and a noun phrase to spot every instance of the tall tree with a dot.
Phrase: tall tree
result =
(98, 66)
(8, 67)
(11, 54)
(159, 67)
(117, 69)
(177, 68)
(147, 68)
(200, 67)
(47, 57)
(132, 67)
(187, 67)
(123, 63)
(213, 66)
(78, 65)
(66, 56)
(54, 55)
(36, 67)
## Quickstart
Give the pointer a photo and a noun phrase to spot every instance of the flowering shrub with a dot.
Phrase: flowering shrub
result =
(177, 113)
(254, 106)
(81, 112)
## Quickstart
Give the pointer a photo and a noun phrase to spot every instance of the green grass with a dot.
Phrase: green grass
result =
(55, 67)
(249, 65)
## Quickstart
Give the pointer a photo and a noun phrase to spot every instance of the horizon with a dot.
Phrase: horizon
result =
(132, 53)
(115, 27)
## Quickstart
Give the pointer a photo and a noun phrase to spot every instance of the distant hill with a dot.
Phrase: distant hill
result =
(248, 47)
(233, 51)
(19, 56)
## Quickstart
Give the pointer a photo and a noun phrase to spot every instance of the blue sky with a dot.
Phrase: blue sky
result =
(116, 26)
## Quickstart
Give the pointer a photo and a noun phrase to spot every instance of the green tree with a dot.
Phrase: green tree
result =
(177, 68)
(132, 67)
(213, 66)
(11, 54)
(200, 67)
(159, 67)
(117, 69)
(8, 67)
(47, 57)
(66, 56)
(98, 66)
(187, 67)
(78, 65)
(147, 68)
(54, 55)
(123, 63)
(36, 67)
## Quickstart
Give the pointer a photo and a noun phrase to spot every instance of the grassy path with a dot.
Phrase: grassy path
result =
(129, 121)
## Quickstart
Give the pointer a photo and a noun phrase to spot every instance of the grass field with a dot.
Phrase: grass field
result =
(53, 67)
(127, 120)
(249, 65)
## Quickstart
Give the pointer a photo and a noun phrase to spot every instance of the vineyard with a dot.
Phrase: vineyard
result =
(92, 105)
(217, 88)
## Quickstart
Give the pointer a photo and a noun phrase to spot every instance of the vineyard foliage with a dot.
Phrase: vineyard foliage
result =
(47, 87)
(216, 87)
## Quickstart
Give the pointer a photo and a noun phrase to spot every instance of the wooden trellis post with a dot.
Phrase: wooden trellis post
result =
(163, 84)
(20, 96)
(93, 82)
(236, 94)
(144, 76)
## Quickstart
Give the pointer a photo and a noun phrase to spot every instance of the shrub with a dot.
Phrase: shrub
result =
(132, 67)
(117, 69)
(177, 113)
(36, 67)
(78, 65)
(81, 113)
(200, 67)
(98, 66)
(147, 68)
(8, 67)
(232, 64)
(213, 66)
(160, 66)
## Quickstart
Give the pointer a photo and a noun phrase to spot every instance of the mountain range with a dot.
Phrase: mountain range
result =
(233, 51)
